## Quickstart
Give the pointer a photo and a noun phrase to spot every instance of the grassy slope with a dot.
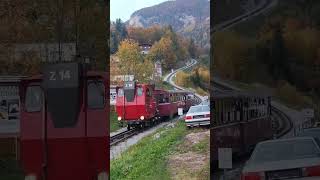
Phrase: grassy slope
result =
(113, 121)
(10, 170)
(114, 124)
(164, 85)
(147, 159)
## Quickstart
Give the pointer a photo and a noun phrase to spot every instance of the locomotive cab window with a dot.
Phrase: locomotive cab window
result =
(96, 95)
(148, 92)
(34, 98)
(139, 91)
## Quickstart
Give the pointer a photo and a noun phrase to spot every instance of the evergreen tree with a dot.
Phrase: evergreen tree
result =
(278, 57)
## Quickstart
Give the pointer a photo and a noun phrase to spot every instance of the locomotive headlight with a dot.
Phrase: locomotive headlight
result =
(142, 117)
(30, 177)
(119, 118)
(103, 176)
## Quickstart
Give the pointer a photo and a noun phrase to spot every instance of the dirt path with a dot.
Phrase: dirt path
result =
(191, 159)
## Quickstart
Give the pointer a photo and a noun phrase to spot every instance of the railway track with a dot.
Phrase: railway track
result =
(287, 124)
(232, 22)
(168, 79)
(115, 139)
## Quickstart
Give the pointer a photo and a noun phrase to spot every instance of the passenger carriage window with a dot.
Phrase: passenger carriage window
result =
(120, 92)
(96, 95)
(148, 92)
(139, 91)
(34, 99)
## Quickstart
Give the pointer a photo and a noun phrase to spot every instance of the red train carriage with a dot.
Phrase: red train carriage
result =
(168, 102)
(240, 121)
(184, 99)
(142, 104)
(64, 125)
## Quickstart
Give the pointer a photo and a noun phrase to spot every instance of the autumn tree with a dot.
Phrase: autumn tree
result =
(131, 61)
(145, 35)
(232, 65)
(192, 49)
(163, 51)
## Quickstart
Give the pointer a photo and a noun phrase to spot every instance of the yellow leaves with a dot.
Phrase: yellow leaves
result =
(131, 61)
(292, 24)
(204, 74)
(289, 94)
(129, 56)
(303, 44)
(230, 51)
(163, 51)
(183, 79)
(145, 35)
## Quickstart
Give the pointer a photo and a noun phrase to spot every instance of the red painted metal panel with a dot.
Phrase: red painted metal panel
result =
(79, 153)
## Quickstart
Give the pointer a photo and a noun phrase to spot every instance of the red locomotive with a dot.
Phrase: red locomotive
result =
(141, 104)
(64, 129)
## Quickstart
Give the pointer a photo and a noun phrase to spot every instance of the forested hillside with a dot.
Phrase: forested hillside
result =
(283, 52)
(24, 22)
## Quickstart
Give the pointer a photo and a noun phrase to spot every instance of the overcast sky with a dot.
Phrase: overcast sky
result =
(124, 8)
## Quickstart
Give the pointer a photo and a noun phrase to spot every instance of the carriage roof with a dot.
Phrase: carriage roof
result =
(239, 94)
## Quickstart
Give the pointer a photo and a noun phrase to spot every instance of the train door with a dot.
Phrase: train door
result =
(31, 128)
(150, 101)
(97, 127)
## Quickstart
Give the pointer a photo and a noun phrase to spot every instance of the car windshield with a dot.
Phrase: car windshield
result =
(315, 133)
(310, 132)
(205, 103)
(285, 150)
(195, 109)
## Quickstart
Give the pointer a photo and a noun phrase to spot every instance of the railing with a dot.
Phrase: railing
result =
(307, 123)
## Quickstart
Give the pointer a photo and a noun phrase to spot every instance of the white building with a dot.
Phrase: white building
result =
(122, 78)
(145, 48)
(158, 69)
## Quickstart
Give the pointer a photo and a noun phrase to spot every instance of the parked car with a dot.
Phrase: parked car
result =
(283, 158)
(310, 132)
(198, 115)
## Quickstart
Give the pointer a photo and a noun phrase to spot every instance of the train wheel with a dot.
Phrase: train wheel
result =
(120, 124)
